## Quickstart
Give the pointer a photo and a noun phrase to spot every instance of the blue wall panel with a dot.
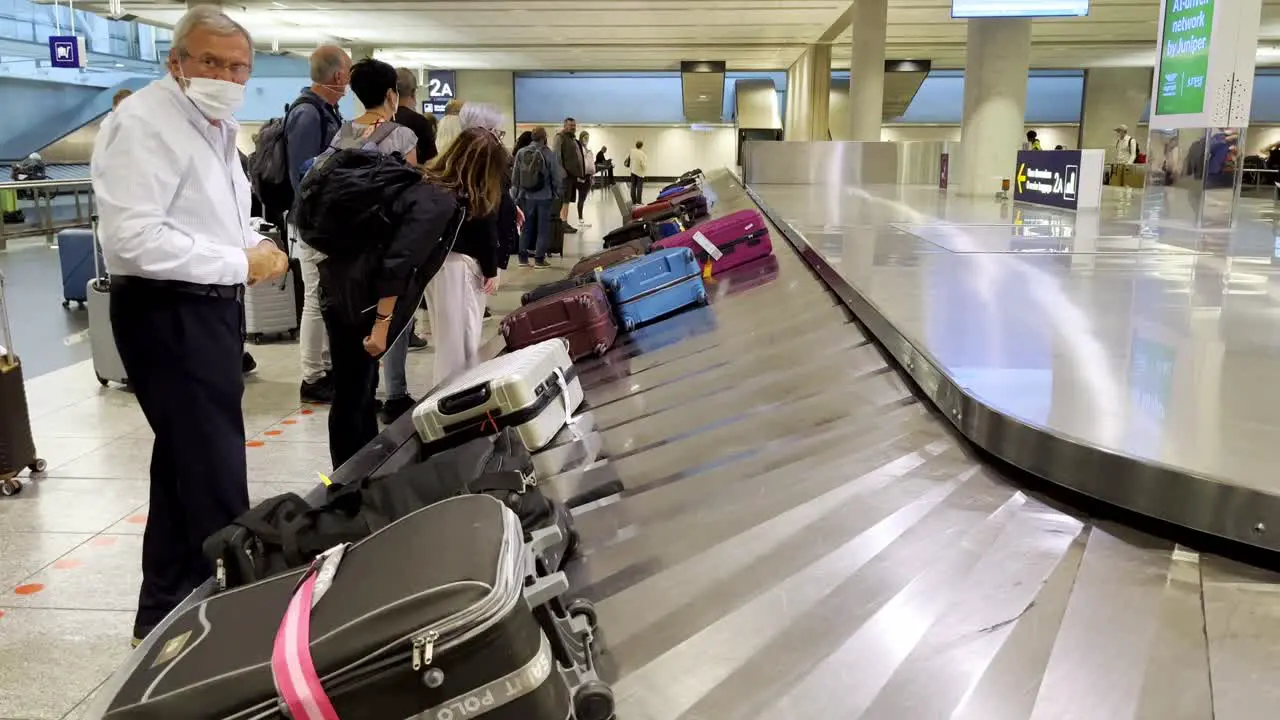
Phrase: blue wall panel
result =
(599, 98)
(1052, 97)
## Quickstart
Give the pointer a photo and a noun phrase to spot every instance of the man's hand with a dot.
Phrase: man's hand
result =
(519, 220)
(266, 263)
(376, 343)
(491, 284)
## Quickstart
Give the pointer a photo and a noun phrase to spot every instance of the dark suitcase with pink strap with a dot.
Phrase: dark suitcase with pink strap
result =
(728, 242)
(444, 613)
(608, 258)
(581, 315)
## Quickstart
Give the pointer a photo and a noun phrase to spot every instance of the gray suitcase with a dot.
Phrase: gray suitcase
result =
(107, 364)
(271, 309)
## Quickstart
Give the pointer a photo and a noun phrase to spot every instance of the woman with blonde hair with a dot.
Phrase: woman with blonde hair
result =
(450, 125)
(369, 292)
(456, 295)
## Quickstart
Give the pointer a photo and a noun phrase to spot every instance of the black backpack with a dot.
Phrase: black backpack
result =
(284, 532)
(344, 202)
(269, 166)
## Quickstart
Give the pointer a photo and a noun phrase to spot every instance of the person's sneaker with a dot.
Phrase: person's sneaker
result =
(583, 223)
(524, 262)
(319, 392)
(248, 365)
(393, 408)
(488, 313)
(569, 229)
(417, 343)
(541, 264)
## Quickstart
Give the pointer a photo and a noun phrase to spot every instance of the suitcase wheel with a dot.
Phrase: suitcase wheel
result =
(628, 323)
(593, 701)
(702, 297)
(584, 608)
(102, 381)
(255, 338)
(39, 466)
(293, 334)
(10, 486)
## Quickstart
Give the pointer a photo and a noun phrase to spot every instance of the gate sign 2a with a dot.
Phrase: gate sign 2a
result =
(442, 87)
(66, 51)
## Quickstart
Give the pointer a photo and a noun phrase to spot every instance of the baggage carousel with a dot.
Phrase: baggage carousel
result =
(773, 524)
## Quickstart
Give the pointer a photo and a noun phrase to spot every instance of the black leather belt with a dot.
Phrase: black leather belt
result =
(132, 282)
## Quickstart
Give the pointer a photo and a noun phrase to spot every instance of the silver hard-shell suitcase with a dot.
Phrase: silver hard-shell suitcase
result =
(107, 364)
(271, 309)
(534, 390)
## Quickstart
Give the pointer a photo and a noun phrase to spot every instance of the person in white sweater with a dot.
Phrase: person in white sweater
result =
(639, 164)
(450, 125)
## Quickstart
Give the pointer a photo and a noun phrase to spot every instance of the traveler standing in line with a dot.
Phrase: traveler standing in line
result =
(174, 208)
(408, 115)
(536, 177)
(456, 295)
(116, 99)
(522, 142)
(589, 169)
(1126, 146)
(569, 153)
(1033, 141)
(370, 295)
(639, 164)
(310, 124)
(450, 125)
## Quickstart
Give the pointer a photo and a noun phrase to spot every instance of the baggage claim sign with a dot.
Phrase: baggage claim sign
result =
(1048, 178)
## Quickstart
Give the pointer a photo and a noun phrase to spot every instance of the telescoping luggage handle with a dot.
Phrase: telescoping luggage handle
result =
(8, 357)
(293, 670)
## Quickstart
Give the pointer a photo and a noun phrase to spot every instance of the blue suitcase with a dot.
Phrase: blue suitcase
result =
(75, 255)
(654, 285)
(669, 228)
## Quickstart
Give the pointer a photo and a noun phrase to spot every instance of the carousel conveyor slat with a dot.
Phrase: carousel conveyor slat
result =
(772, 525)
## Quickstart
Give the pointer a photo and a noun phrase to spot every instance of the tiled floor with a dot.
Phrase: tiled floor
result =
(70, 543)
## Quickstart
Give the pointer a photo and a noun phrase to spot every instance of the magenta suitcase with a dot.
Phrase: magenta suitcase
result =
(729, 241)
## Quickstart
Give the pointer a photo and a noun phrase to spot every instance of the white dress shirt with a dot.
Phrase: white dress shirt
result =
(173, 199)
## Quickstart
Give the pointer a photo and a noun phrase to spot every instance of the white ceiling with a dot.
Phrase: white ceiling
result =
(658, 34)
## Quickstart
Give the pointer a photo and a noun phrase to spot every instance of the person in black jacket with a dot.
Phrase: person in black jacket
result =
(465, 180)
(456, 295)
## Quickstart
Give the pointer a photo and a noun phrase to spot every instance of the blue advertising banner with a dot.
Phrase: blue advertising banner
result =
(66, 51)
(1048, 177)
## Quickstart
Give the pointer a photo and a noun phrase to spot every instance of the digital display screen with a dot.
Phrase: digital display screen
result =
(1018, 8)
(1184, 57)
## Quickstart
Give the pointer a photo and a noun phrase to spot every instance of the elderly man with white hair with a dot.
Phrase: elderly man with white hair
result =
(174, 206)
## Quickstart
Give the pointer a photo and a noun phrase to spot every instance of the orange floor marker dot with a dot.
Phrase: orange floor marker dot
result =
(104, 541)
(137, 520)
(306, 412)
(68, 564)
(28, 589)
(288, 422)
(1, 613)
(254, 443)
(273, 433)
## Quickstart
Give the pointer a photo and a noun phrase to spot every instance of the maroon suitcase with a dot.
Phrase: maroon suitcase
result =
(606, 258)
(581, 315)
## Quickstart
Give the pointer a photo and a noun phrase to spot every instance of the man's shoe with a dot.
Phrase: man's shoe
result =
(524, 262)
(393, 408)
(248, 365)
(417, 343)
(319, 392)
(570, 230)
(542, 264)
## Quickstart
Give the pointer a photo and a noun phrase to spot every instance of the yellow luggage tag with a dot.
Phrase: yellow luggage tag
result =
(324, 479)
(706, 270)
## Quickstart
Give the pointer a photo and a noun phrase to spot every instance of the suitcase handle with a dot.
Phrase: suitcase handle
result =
(464, 400)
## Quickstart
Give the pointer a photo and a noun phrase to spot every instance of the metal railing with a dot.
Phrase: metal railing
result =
(43, 193)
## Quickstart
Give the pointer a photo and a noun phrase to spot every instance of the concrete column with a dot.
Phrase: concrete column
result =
(809, 95)
(866, 74)
(1113, 97)
(997, 61)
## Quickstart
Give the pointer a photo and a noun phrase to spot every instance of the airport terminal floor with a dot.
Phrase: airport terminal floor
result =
(799, 532)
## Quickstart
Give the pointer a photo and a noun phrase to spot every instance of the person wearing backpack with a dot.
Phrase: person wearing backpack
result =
(536, 177)
(386, 230)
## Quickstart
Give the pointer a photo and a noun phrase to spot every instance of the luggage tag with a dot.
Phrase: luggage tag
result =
(569, 419)
(707, 246)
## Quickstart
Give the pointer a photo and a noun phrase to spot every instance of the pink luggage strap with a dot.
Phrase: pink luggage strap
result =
(569, 419)
(293, 670)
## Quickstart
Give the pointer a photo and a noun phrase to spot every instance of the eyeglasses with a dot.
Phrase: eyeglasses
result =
(213, 66)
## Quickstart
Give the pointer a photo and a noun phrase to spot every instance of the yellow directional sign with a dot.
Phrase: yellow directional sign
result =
(1022, 176)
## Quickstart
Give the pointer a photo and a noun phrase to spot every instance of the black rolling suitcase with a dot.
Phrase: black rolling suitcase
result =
(442, 614)
(17, 447)
(637, 230)
(555, 288)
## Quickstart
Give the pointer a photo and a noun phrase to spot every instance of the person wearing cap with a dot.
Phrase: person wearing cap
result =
(1126, 146)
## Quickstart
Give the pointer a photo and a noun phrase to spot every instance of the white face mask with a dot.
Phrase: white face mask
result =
(217, 99)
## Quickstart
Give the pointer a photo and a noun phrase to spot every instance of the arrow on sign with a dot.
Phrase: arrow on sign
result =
(1022, 176)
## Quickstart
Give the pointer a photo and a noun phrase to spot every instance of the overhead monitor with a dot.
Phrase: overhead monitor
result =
(1018, 8)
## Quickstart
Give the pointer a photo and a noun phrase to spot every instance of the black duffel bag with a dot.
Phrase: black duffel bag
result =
(284, 532)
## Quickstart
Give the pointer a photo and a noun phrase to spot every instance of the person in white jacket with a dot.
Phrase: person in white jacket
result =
(1126, 146)
(638, 162)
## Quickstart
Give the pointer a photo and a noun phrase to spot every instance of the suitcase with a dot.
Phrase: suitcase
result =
(533, 389)
(669, 228)
(636, 230)
(76, 258)
(727, 242)
(654, 210)
(107, 365)
(394, 626)
(271, 308)
(655, 285)
(605, 258)
(555, 288)
(17, 445)
(582, 316)
(678, 186)
(695, 209)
